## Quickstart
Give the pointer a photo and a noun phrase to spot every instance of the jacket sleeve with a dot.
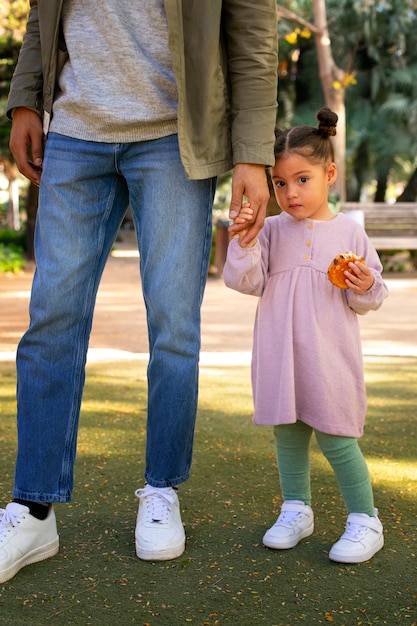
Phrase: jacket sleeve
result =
(27, 82)
(251, 35)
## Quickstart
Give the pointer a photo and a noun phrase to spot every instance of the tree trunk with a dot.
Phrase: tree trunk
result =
(11, 173)
(409, 193)
(330, 76)
(13, 217)
(381, 188)
(355, 184)
(32, 209)
(332, 82)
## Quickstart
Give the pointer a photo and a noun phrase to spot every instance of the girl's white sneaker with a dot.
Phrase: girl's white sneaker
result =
(295, 522)
(363, 537)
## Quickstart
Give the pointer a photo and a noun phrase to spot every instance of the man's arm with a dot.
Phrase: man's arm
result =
(24, 104)
(253, 58)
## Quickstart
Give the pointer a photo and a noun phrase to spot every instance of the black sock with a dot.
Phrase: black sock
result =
(39, 510)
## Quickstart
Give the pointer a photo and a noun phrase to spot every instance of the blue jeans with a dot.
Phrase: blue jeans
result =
(85, 190)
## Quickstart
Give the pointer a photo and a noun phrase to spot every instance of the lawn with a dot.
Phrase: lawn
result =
(225, 576)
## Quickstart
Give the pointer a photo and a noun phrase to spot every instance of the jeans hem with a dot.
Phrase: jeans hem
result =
(49, 498)
(174, 482)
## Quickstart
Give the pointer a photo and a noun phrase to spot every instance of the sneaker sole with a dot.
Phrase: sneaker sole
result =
(160, 555)
(350, 558)
(277, 545)
(39, 554)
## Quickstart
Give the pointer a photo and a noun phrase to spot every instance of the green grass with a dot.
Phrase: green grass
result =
(225, 576)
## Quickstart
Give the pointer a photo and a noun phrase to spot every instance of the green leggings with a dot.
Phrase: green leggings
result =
(292, 442)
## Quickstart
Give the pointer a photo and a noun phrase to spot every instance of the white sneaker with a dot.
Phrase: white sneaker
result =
(159, 532)
(295, 522)
(24, 539)
(363, 537)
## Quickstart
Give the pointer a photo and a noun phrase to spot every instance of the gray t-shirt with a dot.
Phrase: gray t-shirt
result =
(118, 85)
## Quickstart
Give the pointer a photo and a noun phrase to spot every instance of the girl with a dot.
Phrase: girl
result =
(307, 371)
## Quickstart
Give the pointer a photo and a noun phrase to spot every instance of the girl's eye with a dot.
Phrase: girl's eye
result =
(303, 179)
(280, 183)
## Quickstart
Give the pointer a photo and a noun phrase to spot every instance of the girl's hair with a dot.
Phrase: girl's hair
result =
(309, 141)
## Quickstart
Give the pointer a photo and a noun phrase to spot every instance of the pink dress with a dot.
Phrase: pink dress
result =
(307, 356)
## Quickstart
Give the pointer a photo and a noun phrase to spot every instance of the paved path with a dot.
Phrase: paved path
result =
(119, 328)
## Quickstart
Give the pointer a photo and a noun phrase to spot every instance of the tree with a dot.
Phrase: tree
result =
(375, 43)
(13, 14)
(401, 108)
(333, 81)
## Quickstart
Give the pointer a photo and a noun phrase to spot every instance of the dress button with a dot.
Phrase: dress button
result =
(308, 242)
(310, 225)
(306, 256)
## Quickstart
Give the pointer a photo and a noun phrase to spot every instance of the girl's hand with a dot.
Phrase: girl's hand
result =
(249, 181)
(245, 216)
(359, 278)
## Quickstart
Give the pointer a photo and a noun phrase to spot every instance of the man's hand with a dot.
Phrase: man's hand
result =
(26, 140)
(249, 180)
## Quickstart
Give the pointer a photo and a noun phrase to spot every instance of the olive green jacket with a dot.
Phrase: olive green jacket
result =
(225, 63)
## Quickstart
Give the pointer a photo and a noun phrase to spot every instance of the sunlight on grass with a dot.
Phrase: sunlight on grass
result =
(225, 576)
(395, 473)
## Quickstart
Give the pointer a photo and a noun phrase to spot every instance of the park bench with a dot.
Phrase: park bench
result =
(389, 226)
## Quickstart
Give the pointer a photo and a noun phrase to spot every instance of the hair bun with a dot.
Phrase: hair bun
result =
(327, 122)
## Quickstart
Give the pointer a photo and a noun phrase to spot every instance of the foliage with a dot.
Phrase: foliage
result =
(12, 251)
(11, 258)
(375, 43)
(8, 236)
(13, 15)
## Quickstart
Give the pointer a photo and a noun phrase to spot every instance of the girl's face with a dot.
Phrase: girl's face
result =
(302, 186)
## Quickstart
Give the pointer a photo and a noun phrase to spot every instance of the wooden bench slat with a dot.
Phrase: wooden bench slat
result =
(394, 243)
(389, 226)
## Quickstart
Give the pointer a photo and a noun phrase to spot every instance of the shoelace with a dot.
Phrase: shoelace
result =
(288, 517)
(354, 531)
(7, 520)
(158, 503)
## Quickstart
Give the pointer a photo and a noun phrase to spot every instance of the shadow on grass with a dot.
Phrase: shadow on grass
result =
(225, 576)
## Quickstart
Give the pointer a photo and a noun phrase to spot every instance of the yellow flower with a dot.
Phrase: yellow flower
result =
(291, 38)
(349, 79)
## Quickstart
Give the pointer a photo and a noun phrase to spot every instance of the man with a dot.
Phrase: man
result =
(141, 104)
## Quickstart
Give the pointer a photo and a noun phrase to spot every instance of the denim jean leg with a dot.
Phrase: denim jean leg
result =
(173, 217)
(81, 204)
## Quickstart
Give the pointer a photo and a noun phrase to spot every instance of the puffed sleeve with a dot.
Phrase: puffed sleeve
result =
(373, 298)
(243, 268)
